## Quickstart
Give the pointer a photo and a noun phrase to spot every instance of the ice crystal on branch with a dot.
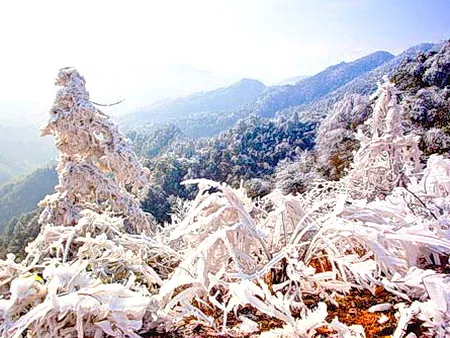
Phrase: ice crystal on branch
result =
(96, 166)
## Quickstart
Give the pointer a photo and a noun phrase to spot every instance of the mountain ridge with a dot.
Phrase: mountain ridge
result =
(218, 100)
(364, 84)
(277, 98)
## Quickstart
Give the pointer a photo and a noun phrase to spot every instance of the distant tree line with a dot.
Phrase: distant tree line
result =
(250, 150)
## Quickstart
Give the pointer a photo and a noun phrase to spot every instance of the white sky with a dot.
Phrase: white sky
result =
(126, 49)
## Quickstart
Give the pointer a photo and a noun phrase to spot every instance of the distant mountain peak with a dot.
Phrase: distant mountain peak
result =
(247, 82)
(379, 53)
(366, 83)
(378, 57)
(277, 98)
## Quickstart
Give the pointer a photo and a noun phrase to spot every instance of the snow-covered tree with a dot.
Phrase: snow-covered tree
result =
(97, 167)
(387, 158)
(335, 140)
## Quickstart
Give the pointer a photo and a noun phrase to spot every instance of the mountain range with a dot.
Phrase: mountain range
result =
(251, 96)
(366, 83)
(208, 113)
(220, 100)
(278, 98)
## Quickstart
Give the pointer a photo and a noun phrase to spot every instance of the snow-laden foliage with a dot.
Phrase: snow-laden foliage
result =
(228, 264)
(424, 85)
(336, 141)
(293, 177)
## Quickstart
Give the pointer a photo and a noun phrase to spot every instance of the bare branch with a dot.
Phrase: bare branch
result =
(107, 105)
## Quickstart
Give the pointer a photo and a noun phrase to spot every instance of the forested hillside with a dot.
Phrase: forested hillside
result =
(23, 196)
(10, 168)
(425, 85)
(252, 149)
(22, 150)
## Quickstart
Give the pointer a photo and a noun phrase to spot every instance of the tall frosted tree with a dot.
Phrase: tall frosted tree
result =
(387, 157)
(97, 168)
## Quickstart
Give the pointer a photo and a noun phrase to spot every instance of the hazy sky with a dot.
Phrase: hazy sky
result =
(126, 49)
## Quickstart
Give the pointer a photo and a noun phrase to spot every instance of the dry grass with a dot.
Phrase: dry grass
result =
(353, 310)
